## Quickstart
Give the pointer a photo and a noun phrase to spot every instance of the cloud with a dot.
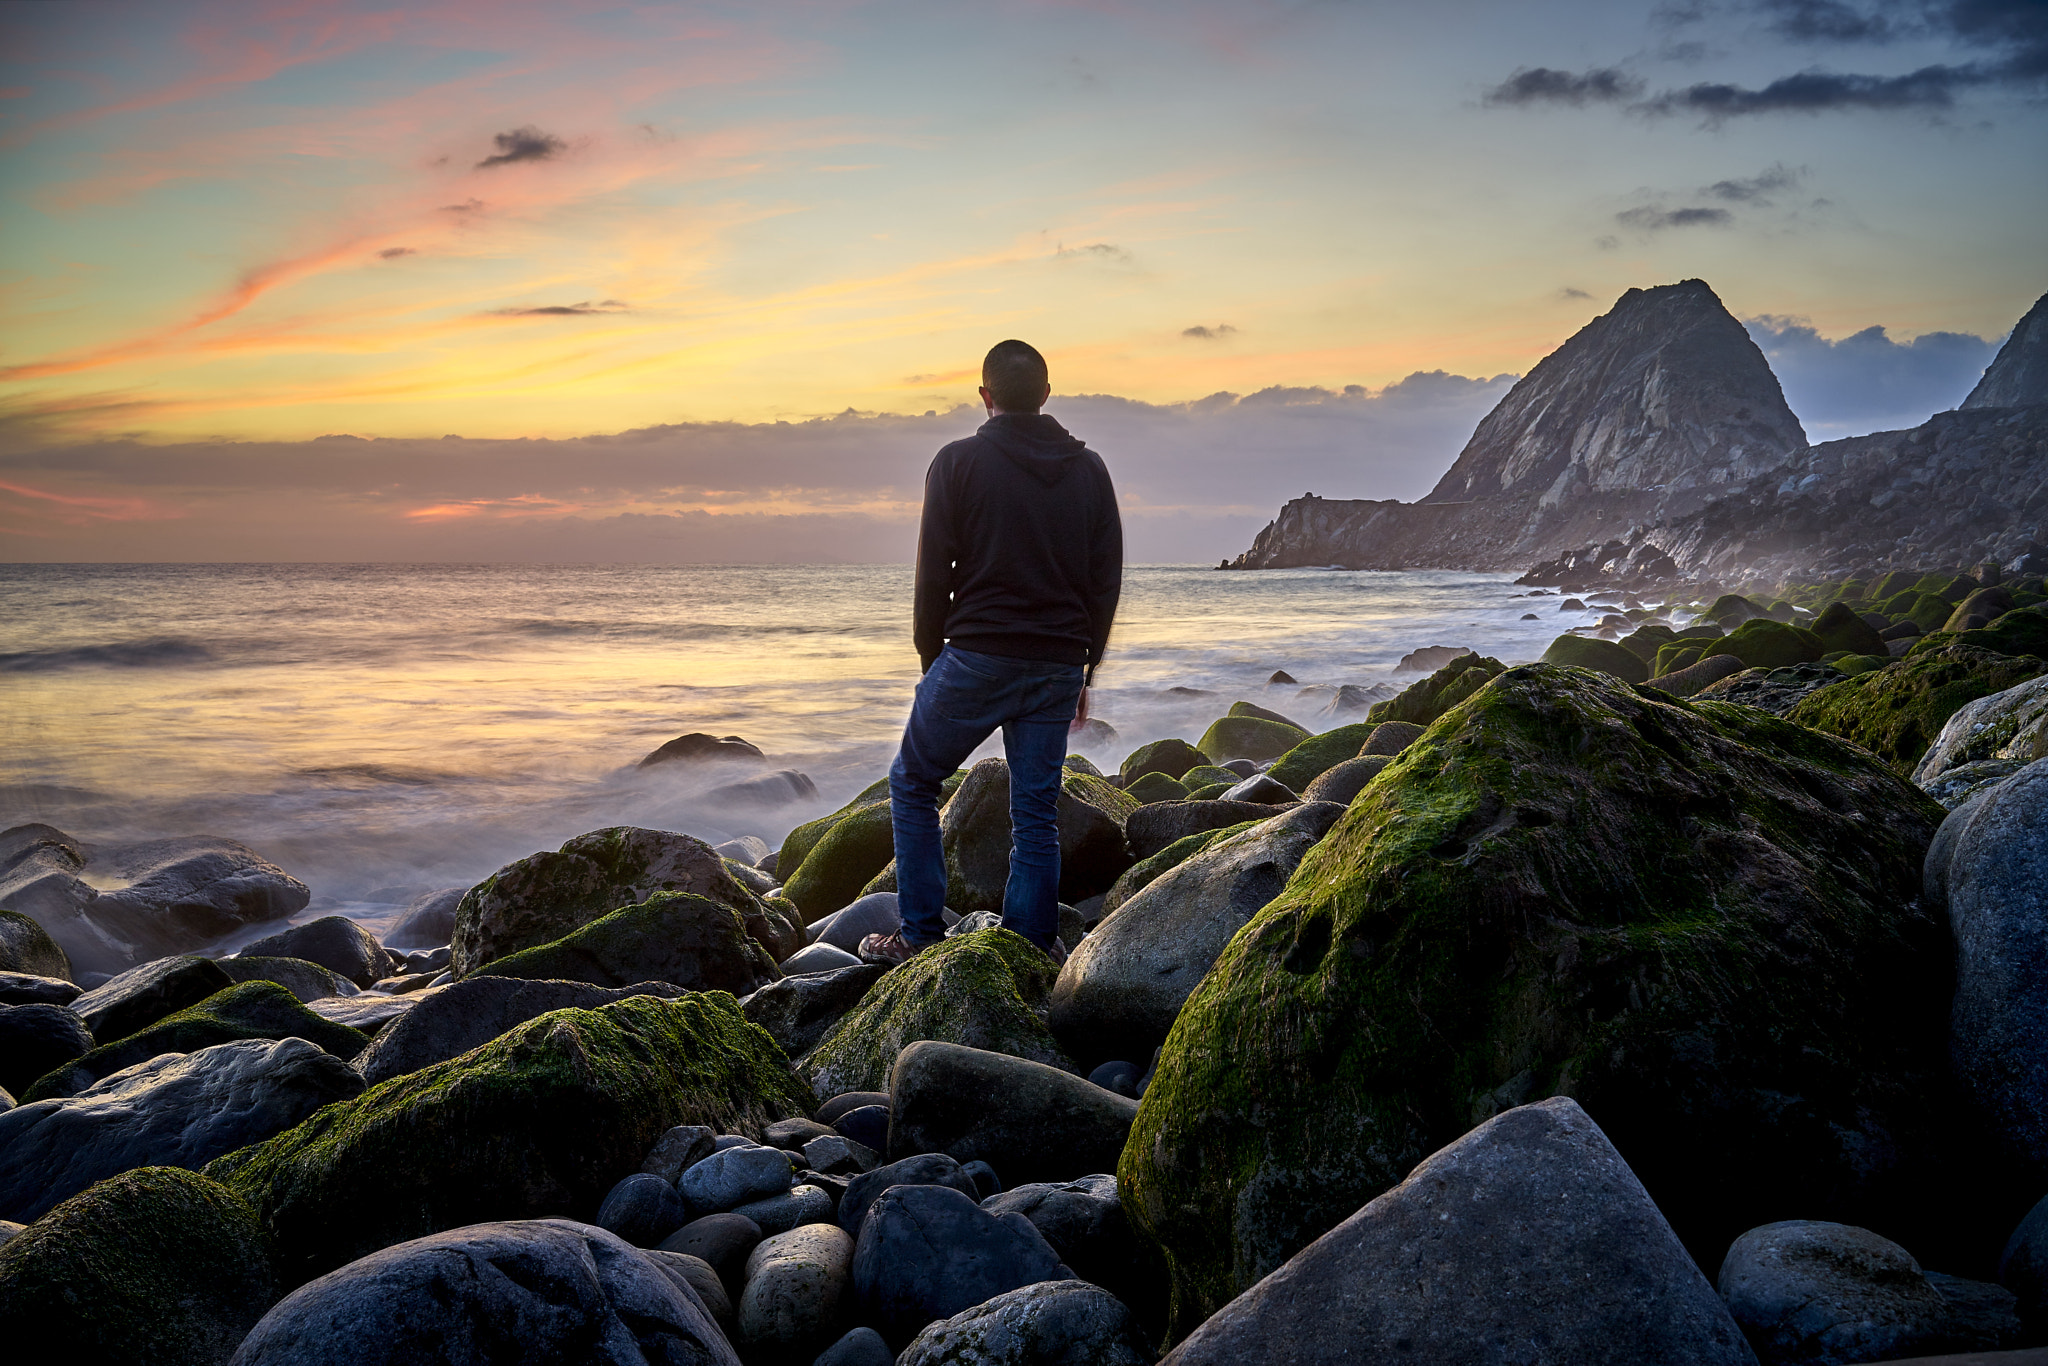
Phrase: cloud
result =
(467, 206)
(1866, 382)
(523, 144)
(582, 310)
(1099, 251)
(1572, 292)
(1650, 219)
(1830, 21)
(1543, 85)
(393, 253)
(1755, 189)
(1815, 92)
(1202, 333)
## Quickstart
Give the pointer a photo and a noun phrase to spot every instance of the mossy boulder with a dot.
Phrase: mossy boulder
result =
(1988, 603)
(975, 832)
(1209, 792)
(306, 980)
(1422, 702)
(248, 1010)
(1897, 711)
(1590, 652)
(2023, 631)
(541, 1121)
(1173, 757)
(797, 845)
(1318, 754)
(1839, 628)
(155, 1267)
(856, 848)
(1898, 581)
(544, 896)
(1732, 609)
(1263, 714)
(1645, 641)
(1140, 875)
(676, 937)
(985, 989)
(1928, 611)
(1764, 644)
(26, 946)
(1155, 787)
(1675, 656)
(1680, 914)
(1206, 774)
(1250, 737)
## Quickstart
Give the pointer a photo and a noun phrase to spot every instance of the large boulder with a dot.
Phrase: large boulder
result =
(1766, 644)
(146, 993)
(1028, 1121)
(544, 1119)
(545, 896)
(679, 937)
(1249, 737)
(27, 949)
(845, 859)
(252, 1010)
(428, 920)
(1812, 1293)
(1052, 1321)
(797, 1289)
(470, 1013)
(1528, 1239)
(1121, 987)
(1839, 628)
(1422, 702)
(525, 1290)
(799, 1011)
(926, 1252)
(35, 1039)
(926, 1169)
(177, 1110)
(986, 990)
(334, 942)
(1996, 887)
(1151, 829)
(2011, 725)
(1141, 874)
(150, 1267)
(975, 830)
(1898, 711)
(308, 981)
(133, 902)
(1590, 652)
(1681, 913)
(1171, 756)
(1084, 1222)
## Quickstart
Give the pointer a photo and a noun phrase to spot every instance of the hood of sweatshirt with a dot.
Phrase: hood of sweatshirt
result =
(1034, 442)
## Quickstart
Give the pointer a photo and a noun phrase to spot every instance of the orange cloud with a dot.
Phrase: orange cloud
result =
(79, 509)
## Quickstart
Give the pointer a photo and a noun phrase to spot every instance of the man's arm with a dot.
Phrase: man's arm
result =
(1105, 571)
(932, 598)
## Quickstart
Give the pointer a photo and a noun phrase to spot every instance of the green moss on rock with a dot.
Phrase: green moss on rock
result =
(1929, 611)
(249, 1010)
(1645, 641)
(1250, 737)
(986, 989)
(841, 863)
(1207, 774)
(797, 845)
(1679, 914)
(543, 1120)
(1765, 644)
(2023, 631)
(1173, 757)
(1897, 711)
(1318, 754)
(676, 937)
(1839, 628)
(155, 1267)
(1140, 874)
(1422, 702)
(1590, 652)
(1156, 787)
(1678, 655)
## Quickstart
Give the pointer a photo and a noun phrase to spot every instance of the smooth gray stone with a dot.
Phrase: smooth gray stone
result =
(860, 1347)
(928, 1252)
(34, 1039)
(748, 849)
(793, 1208)
(334, 942)
(845, 1101)
(1825, 1294)
(427, 922)
(2011, 725)
(405, 984)
(1029, 1121)
(928, 1169)
(703, 1280)
(1084, 1222)
(371, 1011)
(1121, 988)
(796, 1293)
(723, 1241)
(1052, 1321)
(799, 1011)
(1997, 885)
(144, 994)
(1260, 788)
(643, 1209)
(791, 1134)
(531, 1290)
(175, 1110)
(838, 1155)
(678, 1150)
(1530, 1228)
(461, 1015)
(303, 978)
(27, 989)
(1151, 828)
(735, 1176)
(1346, 780)
(874, 913)
(427, 962)
(814, 958)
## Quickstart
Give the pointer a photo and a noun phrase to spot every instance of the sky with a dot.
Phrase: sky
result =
(679, 281)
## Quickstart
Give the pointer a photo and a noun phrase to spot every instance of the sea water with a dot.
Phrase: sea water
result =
(379, 730)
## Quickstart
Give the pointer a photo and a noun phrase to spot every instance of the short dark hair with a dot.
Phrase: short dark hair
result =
(1015, 376)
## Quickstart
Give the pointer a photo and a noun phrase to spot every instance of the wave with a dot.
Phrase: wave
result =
(157, 652)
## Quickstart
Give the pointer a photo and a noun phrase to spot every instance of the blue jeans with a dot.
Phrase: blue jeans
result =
(960, 702)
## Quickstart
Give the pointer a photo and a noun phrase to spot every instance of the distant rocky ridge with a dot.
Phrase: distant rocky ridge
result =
(1655, 446)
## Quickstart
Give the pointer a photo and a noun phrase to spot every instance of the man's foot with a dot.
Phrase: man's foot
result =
(889, 949)
(1058, 951)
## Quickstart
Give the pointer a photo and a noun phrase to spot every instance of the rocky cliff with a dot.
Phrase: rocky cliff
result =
(2018, 377)
(1648, 412)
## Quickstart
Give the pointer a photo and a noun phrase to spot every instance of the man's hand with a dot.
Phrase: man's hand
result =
(1080, 714)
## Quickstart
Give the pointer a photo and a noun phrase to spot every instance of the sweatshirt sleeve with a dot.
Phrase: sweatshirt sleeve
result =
(932, 596)
(1105, 571)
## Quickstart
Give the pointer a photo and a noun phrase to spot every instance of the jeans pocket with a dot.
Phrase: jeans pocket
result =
(959, 693)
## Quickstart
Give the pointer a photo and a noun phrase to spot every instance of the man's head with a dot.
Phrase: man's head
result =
(1013, 379)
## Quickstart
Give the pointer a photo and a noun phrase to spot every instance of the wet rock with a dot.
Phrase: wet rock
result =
(545, 1118)
(704, 1281)
(975, 831)
(177, 1110)
(780, 788)
(1530, 1228)
(371, 1012)
(1345, 781)
(1586, 652)
(1776, 691)
(466, 1014)
(428, 920)
(1822, 1294)
(1151, 829)
(308, 981)
(860, 1347)
(36, 1038)
(676, 1151)
(816, 958)
(697, 747)
(643, 1209)
(1171, 757)
(927, 1169)
(1083, 1221)
(1897, 712)
(984, 990)
(1250, 737)
(1122, 986)
(794, 1303)
(2011, 726)
(334, 942)
(926, 1252)
(735, 1176)
(148, 1268)
(799, 1011)
(1318, 754)
(858, 844)
(1423, 702)
(1260, 788)
(26, 950)
(27, 989)
(1029, 1121)
(837, 1155)
(527, 1290)
(874, 913)
(693, 941)
(801, 1204)
(142, 995)
(1051, 1321)
(723, 1241)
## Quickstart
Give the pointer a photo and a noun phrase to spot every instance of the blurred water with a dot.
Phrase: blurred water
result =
(377, 729)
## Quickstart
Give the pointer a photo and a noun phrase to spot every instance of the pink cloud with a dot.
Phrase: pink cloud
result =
(79, 509)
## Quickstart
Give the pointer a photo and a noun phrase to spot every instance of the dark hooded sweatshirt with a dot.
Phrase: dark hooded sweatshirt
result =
(1021, 551)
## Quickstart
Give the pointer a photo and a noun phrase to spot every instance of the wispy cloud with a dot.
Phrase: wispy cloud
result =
(1203, 333)
(1546, 85)
(582, 310)
(1755, 189)
(1649, 219)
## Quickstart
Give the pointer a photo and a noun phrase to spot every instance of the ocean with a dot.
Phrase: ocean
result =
(378, 730)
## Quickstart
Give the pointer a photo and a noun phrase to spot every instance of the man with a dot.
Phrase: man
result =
(1019, 564)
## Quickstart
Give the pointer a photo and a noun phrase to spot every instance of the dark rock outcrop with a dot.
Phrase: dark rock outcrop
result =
(2018, 377)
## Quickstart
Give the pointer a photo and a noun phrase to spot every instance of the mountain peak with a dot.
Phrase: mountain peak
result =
(2018, 375)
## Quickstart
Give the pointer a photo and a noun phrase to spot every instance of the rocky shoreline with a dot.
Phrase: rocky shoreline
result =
(1677, 997)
